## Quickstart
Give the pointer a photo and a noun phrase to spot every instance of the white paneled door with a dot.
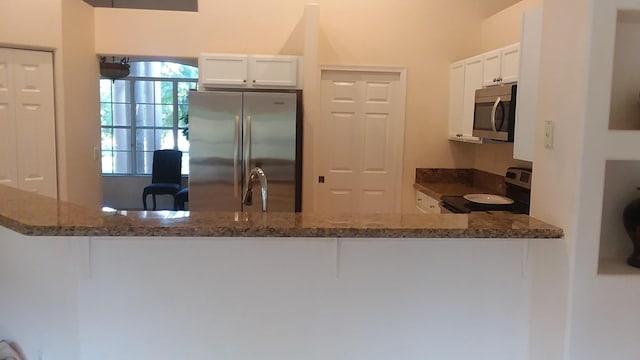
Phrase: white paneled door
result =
(27, 121)
(361, 140)
(8, 143)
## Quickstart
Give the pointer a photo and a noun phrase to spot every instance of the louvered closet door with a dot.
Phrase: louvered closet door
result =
(30, 76)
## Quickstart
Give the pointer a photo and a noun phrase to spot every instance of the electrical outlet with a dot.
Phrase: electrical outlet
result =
(548, 134)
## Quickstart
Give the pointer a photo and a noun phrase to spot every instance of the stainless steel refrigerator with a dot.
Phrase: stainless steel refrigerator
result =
(231, 132)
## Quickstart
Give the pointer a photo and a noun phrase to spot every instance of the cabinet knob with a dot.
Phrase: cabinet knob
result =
(458, 135)
(244, 81)
(254, 81)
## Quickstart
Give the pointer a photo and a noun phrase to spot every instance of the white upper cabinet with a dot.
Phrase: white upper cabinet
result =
(273, 70)
(491, 74)
(235, 70)
(473, 69)
(465, 78)
(501, 66)
(456, 99)
(223, 69)
(527, 96)
(510, 64)
(491, 68)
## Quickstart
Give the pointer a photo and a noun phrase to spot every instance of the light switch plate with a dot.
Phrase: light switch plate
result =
(548, 134)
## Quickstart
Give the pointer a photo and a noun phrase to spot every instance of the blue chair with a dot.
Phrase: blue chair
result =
(180, 199)
(166, 176)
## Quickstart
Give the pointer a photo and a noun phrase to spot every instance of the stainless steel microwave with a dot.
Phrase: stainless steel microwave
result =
(494, 114)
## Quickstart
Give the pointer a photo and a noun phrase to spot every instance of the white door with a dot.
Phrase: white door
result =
(8, 157)
(33, 124)
(361, 140)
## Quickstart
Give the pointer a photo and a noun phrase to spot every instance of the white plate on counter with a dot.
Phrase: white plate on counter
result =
(490, 199)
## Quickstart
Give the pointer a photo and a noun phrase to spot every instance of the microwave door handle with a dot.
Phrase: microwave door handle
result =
(493, 114)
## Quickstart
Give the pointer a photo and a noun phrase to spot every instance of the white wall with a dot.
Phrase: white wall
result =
(66, 28)
(38, 301)
(244, 298)
(77, 96)
(562, 76)
(604, 307)
(407, 33)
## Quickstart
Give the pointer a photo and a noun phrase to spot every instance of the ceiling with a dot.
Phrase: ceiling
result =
(179, 5)
(488, 7)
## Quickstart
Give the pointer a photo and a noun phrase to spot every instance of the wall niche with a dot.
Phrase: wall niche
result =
(622, 180)
(625, 90)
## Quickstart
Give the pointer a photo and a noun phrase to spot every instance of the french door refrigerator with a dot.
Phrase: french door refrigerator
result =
(230, 133)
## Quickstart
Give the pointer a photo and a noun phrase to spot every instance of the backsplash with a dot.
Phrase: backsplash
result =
(464, 176)
(481, 179)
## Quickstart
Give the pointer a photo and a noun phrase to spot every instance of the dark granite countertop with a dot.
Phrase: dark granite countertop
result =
(437, 190)
(457, 182)
(32, 214)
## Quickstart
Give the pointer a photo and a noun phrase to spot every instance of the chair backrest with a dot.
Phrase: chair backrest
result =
(167, 167)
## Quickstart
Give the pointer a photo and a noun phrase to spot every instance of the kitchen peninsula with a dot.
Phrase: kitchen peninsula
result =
(80, 284)
(32, 214)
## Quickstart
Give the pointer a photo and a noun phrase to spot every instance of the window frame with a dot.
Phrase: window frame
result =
(132, 151)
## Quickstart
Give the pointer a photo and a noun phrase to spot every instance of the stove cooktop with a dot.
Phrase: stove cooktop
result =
(458, 204)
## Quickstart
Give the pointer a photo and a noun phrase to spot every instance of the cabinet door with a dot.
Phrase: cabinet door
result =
(223, 69)
(456, 99)
(492, 65)
(273, 71)
(426, 204)
(510, 63)
(472, 82)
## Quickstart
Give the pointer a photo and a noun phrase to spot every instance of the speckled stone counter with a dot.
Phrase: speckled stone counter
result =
(456, 182)
(31, 214)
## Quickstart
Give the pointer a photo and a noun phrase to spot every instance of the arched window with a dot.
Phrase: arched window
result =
(143, 112)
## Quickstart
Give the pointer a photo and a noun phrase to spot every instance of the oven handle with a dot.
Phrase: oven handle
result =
(493, 114)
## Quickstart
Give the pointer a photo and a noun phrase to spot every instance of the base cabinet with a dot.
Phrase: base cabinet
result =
(425, 204)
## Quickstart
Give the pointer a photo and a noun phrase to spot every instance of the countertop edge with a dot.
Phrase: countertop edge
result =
(266, 232)
(36, 215)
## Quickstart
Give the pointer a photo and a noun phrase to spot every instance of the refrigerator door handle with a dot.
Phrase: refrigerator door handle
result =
(236, 150)
(247, 149)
